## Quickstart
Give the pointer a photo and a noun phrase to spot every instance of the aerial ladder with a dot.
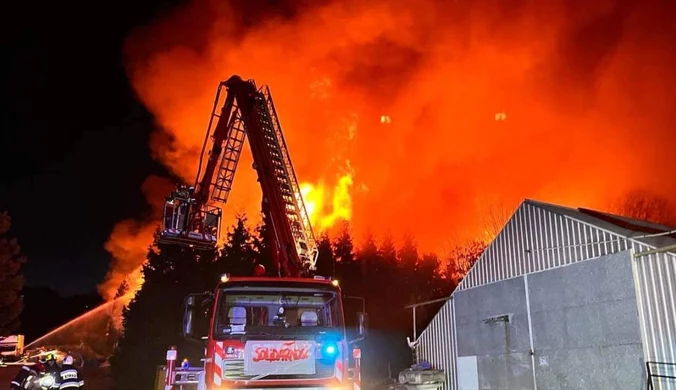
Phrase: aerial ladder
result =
(192, 215)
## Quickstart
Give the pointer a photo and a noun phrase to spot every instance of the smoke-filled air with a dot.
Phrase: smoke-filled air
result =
(414, 117)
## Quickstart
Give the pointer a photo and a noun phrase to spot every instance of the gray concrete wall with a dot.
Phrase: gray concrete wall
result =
(502, 349)
(585, 327)
(586, 330)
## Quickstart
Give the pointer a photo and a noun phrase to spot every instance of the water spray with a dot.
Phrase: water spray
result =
(81, 317)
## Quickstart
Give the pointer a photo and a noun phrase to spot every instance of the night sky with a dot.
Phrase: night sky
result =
(74, 138)
(74, 141)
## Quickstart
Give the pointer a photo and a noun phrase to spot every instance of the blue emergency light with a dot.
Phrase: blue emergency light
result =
(329, 350)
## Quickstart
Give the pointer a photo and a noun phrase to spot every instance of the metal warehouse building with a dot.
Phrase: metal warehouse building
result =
(562, 299)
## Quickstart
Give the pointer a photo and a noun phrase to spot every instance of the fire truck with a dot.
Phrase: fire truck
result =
(281, 332)
(11, 348)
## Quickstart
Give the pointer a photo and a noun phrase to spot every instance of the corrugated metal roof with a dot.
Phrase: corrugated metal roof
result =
(626, 227)
(541, 236)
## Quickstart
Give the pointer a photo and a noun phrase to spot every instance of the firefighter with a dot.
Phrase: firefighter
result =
(70, 377)
(51, 366)
(19, 381)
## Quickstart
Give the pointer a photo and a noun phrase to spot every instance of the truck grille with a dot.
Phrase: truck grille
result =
(234, 370)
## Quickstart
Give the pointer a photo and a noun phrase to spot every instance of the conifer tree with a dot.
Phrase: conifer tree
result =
(262, 248)
(11, 279)
(408, 259)
(239, 254)
(393, 287)
(326, 262)
(370, 260)
(153, 319)
(347, 269)
(408, 255)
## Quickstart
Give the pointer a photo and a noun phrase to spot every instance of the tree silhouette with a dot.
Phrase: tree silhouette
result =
(461, 259)
(239, 251)
(343, 247)
(645, 206)
(408, 259)
(152, 320)
(11, 279)
(388, 253)
(122, 290)
(262, 248)
(370, 261)
(408, 254)
(114, 325)
(429, 282)
(391, 294)
(326, 262)
(383, 302)
(348, 271)
(493, 216)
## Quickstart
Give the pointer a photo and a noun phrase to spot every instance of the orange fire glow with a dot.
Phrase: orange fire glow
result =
(128, 243)
(415, 95)
(325, 207)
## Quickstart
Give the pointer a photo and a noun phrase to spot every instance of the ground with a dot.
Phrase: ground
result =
(98, 379)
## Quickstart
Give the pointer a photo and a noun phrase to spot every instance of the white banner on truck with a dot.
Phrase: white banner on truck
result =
(267, 357)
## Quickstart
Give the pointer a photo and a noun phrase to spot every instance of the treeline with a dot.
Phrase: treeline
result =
(11, 278)
(388, 276)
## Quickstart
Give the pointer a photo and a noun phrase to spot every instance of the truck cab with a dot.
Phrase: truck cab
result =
(276, 333)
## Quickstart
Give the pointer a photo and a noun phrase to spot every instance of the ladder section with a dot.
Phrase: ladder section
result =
(291, 173)
(288, 186)
(230, 157)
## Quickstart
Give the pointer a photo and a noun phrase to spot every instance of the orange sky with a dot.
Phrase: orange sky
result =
(587, 91)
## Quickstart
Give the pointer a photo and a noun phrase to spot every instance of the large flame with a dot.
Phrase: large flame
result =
(326, 205)
(437, 105)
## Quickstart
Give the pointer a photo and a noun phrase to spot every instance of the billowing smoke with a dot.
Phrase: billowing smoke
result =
(432, 107)
(129, 242)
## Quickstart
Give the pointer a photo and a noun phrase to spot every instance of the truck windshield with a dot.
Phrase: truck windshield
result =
(274, 312)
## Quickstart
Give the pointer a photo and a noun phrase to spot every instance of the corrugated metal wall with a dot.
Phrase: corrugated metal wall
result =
(437, 344)
(537, 239)
(655, 280)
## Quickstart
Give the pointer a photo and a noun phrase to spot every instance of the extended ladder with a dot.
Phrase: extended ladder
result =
(285, 176)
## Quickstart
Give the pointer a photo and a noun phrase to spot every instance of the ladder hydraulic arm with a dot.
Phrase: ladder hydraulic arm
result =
(192, 214)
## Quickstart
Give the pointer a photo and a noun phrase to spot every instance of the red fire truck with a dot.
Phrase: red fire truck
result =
(273, 333)
(278, 332)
